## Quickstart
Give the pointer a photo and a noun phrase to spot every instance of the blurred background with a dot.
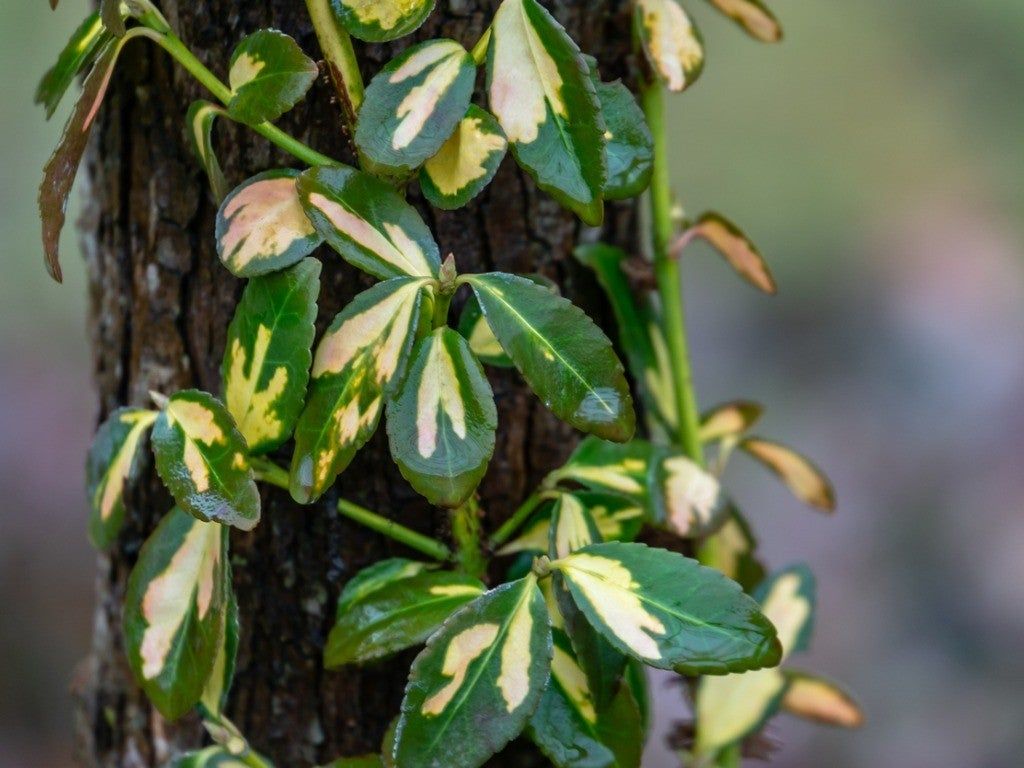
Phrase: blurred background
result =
(876, 158)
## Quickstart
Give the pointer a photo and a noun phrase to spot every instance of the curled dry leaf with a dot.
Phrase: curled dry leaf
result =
(806, 481)
(735, 247)
(816, 698)
(671, 42)
(753, 16)
(730, 419)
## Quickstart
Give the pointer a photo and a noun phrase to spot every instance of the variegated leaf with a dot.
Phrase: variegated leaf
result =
(729, 420)
(269, 75)
(442, 421)
(820, 700)
(572, 527)
(200, 120)
(377, 21)
(211, 757)
(753, 16)
(218, 685)
(732, 551)
(689, 501)
(623, 468)
(398, 615)
(489, 663)
(636, 677)
(203, 460)
(109, 467)
(375, 577)
(564, 357)
(262, 227)
(414, 104)
(732, 707)
(175, 609)
(368, 223)
(629, 146)
(474, 329)
(360, 361)
(806, 481)
(364, 761)
(545, 101)
(85, 43)
(671, 42)
(267, 359)
(668, 610)
(735, 247)
(466, 163)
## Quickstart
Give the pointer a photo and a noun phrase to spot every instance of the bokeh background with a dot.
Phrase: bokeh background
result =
(877, 159)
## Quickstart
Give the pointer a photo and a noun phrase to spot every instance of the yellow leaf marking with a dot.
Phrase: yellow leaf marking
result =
(787, 609)
(245, 70)
(821, 701)
(802, 477)
(384, 13)
(482, 340)
(729, 707)
(612, 476)
(264, 220)
(349, 421)
(112, 486)
(439, 393)
(253, 408)
(198, 424)
(659, 379)
(454, 590)
(421, 102)
(460, 162)
(514, 680)
(573, 680)
(462, 650)
(691, 495)
(572, 532)
(673, 46)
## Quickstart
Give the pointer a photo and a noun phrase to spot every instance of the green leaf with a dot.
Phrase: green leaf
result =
(820, 700)
(112, 16)
(267, 358)
(218, 685)
(622, 468)
(487, 666)
(86, 42)
(572, 527)
(361, 360)
(636, 678)
(466, 162)
(375, 577)
(618, 517)
(753, 16)
(398, 615)
(365, 761)
(200, 119)
(689, 501)
(564, 357)
(474, 329)
(211, 757)
(806, 481)
(732, 551)
(203, 460)
(368, 223)
(541, 92)
(175, 609)
(377, 21)
(731, 708)
(262, 227)
(269, 75)
(442, 421)
(668, 610)
(735, 247)
(729, 420)
(110, 465)
(414, 104)
(629, 146)
(622, 727)
(671, 42)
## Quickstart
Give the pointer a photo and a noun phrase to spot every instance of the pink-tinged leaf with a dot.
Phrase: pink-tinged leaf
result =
(753, 16)
(726, 238)
(815, 698)
(806, 481)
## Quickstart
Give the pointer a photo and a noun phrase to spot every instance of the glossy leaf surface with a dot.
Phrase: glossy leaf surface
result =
(266, 363)
(81, 50)
(815, 698)
(489, 664)
(466, 162)
(109, 467)
(360, 361)
(671, 42)
(629, 147)
(735, 247)
(200, 119)
(806, 481)
(474, 329)
(541, 92)
(623, 468)
(203, 460)
(269, 75)
(442, 422)
(377, 21)
(175, 609)
(690, 501)
(398, 615)
(669, 611)
(753, 16)
(730, 419)
(572, 527)
(564, 357)
(368, 223)
(376, 576)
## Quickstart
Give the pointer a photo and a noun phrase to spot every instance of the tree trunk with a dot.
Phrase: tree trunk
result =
(160, 307)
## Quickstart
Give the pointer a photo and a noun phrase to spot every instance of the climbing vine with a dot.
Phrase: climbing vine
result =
(556, 651)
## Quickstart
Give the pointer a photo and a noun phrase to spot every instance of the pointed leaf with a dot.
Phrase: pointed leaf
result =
(636, 679)
(668, 610)
(672, 44)
(375, 577)
(86, 42)
(398, 615)
(732, 551)
(735, 247)
(368, 223)
(753, 16)
(629, 147)
(474, 329)
(218, 685)
(729, 420)
(818, 699)
(110, 465)
(804, 479)
(572, 527)
(541, 92)
(442, 422)
(267, 359)
(466, 163)
(378, 21)
(200, 119)
(203, 460)
(488, 665)
(618, 518)
(414, 104)
(564, 357)
(623, 468)
(360, 361)
(269, 75)
(262, 227)
(175, 609)
(689, 501)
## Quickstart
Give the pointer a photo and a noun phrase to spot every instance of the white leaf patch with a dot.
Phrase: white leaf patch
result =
(445, 60)
(514, 680)
(439, 393)
(463, 650)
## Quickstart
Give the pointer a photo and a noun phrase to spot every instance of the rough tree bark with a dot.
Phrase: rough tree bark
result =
(160, 307)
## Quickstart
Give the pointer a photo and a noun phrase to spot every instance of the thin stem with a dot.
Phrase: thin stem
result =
(410, 538)
(467, 537)
(336, 45)
(269, 472)
(520, 516)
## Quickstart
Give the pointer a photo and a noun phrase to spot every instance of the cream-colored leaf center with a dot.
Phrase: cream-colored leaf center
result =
(463, 649)
(461, 161)
(439, 393)
(264, 220)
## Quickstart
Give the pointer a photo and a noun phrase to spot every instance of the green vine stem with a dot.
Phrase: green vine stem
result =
(520, 516)
(336, 45)
(410, 538)
(467, 536)
(226, 733)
